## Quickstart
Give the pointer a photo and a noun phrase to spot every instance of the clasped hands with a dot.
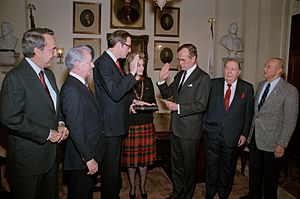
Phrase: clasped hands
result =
(60, 134)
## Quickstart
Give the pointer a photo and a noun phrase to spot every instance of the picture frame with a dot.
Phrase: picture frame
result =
(165, 52)
(86, 18)
(93, 43)
(127, 15)
(167, 21)
(139, 43)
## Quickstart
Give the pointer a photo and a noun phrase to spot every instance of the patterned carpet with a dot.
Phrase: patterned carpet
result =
(159, 186)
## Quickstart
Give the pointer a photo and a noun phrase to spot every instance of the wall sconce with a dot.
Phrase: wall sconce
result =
(60, 55)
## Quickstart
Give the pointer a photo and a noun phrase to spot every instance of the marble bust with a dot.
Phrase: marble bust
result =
(7, 40)
(8, 57)
(232, 42)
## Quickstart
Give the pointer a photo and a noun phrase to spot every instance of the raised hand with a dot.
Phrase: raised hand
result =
(164, 72)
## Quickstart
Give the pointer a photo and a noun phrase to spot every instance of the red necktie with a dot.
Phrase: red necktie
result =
(119, 67)
(41, 74)
(227, 97)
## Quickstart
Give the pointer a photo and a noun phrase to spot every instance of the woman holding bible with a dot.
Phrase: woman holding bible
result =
(139, 148)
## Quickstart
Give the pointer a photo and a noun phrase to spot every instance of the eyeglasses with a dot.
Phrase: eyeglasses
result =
(129, 46)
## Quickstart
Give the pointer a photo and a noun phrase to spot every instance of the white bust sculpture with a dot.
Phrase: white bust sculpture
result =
(232, 42)
(7, 40)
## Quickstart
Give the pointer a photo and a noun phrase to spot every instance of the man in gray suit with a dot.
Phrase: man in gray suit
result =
(30, 108)
(274, 120)
(190, 90)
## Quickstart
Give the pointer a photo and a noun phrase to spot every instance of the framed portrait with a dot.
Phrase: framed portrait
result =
(139, 43)
(93, 43)
(167, 22)
(165, 52)
(86, 18)
(127, 14)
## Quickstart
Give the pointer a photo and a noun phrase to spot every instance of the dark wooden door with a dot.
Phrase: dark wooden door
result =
(294, 78)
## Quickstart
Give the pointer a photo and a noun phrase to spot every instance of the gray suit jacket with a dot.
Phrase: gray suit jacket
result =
(277, 118)
(192, 99)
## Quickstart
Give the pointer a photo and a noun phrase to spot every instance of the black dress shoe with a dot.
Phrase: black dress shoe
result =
(131, 196)
(245, 197)
(144, 195)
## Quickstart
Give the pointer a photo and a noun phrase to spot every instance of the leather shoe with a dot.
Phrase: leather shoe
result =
(131, 196)
(245, 197)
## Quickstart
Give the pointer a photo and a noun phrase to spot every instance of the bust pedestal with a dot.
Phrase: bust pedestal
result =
(8, 60)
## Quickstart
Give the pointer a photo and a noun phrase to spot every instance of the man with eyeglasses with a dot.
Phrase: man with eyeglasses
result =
(113, 95)
(190, 91)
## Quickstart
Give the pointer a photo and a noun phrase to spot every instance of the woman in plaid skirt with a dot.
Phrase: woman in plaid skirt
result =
(138, 148)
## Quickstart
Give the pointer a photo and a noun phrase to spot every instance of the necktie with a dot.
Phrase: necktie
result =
(227, 97)
(119, 67)
(42, 78)
(182, 81)
(264, 96)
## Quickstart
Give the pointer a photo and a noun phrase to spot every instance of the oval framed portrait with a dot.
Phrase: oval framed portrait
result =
(87, 18)
(166, 21)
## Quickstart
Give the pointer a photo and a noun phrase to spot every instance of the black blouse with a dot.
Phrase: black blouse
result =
(143, 117)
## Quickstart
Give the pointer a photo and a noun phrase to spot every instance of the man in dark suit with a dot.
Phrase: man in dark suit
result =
(227, 123)
(29, 108)
(113, 96)
(84, 149)
(274, 120)
(190, 90)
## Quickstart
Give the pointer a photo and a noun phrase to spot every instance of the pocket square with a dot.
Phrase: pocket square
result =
(243, 96)
(190, 85)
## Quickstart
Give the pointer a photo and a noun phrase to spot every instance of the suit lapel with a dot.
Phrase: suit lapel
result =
(88, 93)
(195, 74)
(237, 94)
(274, 94)
(112, 63)
(34, 82)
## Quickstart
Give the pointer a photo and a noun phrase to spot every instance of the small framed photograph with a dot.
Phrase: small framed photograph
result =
(93, 43)
(165, 52)
(139, 43)
(127, 14)
(86, 18)
(166, 22)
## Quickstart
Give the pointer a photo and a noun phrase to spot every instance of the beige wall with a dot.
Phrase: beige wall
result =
(260, 26)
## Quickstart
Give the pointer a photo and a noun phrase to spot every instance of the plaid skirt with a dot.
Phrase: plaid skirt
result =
(139, 146)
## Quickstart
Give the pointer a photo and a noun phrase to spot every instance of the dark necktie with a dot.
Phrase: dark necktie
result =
(227, 97)
(42, 78)
(264, 96)
(119, 67)
(182, 81)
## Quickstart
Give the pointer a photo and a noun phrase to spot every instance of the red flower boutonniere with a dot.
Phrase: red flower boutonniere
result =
(243, 96)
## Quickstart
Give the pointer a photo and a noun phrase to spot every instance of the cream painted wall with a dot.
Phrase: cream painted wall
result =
(260, 26)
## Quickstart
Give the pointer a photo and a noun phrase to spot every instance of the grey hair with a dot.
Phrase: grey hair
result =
(34, 38)
(75, 54)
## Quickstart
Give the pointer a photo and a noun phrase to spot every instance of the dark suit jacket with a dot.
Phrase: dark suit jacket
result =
(237, 120)
(84, 121)
(113, 95)
(192, 98)
(27, 111)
